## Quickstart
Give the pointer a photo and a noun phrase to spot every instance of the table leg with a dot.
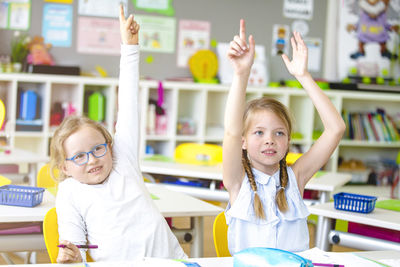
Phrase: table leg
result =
(324, 234)
(197, 224)
(32, 172)
(323, 198)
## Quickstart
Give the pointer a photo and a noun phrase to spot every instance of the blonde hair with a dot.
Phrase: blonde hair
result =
(69, 126)
(282, 112)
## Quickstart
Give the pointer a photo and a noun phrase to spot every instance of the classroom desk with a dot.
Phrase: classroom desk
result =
(214, 261)
(325, 183)
(378, 217)
(20, 156)
(170, 204)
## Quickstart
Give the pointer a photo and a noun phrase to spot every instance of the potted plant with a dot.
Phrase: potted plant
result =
(19, 50)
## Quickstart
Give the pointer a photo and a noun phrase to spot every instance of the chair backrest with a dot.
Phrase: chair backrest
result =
(50, 233)
(220, 234)
(4, 181)
(44, 178)
(51, 236)
(198, 154)
(2, 113)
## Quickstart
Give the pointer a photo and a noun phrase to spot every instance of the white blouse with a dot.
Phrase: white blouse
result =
(287, 231)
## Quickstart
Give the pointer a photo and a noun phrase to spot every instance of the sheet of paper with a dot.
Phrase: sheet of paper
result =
(347, 259)
(98, 36)
(193, 36)
(157, 34)
(314, 46)
(101, 8)
(19, 16)
(296, 9)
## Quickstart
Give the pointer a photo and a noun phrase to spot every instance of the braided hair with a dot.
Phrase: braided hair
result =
(281, 111)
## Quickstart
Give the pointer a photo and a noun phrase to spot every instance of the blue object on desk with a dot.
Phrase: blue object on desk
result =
(354, 202)
(18, 195)
(259, 256)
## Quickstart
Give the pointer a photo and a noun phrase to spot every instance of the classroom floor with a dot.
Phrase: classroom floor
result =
(183, 222)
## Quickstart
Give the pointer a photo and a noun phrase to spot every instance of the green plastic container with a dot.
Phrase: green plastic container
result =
(96, 106)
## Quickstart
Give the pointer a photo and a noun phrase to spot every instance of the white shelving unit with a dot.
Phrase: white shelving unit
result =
(202, 104)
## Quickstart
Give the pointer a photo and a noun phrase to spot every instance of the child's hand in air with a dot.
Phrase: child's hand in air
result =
(298, 66)
(69, 254)
(240, 53)
(129, 28)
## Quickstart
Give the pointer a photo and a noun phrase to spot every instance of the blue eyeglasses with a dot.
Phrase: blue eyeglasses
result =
(83, 157)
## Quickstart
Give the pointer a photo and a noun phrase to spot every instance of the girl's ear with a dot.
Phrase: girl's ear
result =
(244, 144)
(64, 169)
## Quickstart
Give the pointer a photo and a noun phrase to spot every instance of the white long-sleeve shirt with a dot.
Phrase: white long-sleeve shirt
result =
(118, 215)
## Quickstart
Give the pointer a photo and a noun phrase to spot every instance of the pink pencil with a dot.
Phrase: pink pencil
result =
(80, 246)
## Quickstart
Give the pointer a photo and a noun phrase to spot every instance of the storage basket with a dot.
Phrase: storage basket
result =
(354, 202)
(17, 195)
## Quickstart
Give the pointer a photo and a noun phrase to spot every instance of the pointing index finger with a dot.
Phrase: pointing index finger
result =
(242, 33)
(121, 13)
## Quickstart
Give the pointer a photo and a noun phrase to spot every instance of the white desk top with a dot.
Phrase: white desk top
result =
(329, 181)
(24, 214)
(170, 204)
(21, 156)
(378, 217)
(176, 204)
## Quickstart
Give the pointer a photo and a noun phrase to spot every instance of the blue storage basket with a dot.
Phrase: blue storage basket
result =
(17, 195)
(354, 202)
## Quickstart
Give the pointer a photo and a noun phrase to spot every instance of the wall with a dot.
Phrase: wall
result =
(224, 15)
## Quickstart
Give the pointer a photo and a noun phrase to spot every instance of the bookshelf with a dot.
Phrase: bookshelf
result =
(196, 108)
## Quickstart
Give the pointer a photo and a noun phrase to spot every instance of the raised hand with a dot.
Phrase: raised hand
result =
(129, 28)
(298, 66)
(240, 53)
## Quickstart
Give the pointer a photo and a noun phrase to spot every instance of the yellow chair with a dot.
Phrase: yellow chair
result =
(2, 113)
(45, 180)
(220, 234)
(291, 157)
(4, 181)
(198, 154)
(51, 237)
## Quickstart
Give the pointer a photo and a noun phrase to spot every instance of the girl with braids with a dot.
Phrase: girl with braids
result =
(265, 207)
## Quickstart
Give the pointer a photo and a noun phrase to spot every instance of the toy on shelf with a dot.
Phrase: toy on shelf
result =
(204, 66)
(39, 52)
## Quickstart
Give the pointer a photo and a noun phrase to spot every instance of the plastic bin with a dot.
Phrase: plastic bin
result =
(354, 202)
(17, 195)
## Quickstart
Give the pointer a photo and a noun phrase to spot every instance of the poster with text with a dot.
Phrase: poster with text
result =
(193, 35)
(298, 9)
(157, 34)
(57, 24)
(314, 46)
(19, 15)
(98, 36)
(3, 15)
(101, 8)
(160, 6)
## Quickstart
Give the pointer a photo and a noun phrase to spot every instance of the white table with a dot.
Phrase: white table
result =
(170, 204)
(19, 156)
(325, 184)
(214, 261)
(378, 217)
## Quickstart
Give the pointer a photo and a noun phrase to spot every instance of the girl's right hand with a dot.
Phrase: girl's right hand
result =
(69, 254)
(240, 53)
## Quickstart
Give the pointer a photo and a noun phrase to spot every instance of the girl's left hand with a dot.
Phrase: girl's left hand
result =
(298, 66)
(129, 28)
